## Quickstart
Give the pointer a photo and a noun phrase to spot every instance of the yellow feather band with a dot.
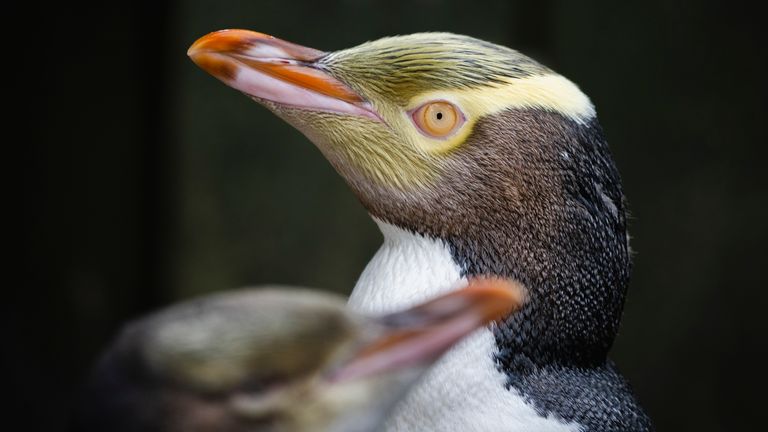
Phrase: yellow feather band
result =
(547, 92)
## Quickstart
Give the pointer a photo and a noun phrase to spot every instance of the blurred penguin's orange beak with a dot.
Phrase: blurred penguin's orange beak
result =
(421, 334)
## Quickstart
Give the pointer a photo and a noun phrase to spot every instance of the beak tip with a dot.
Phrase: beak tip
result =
(197, 47)
(493, 299)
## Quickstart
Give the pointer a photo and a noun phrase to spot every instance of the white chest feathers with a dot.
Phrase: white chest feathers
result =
(464, 391)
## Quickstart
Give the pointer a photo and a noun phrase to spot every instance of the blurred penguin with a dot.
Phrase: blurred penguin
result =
(277, 359)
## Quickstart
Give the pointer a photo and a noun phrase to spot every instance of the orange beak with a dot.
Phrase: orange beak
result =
(271, 69)
(419, 335)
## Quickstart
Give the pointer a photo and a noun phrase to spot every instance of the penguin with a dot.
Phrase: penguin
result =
(474, 160)
(276, 359)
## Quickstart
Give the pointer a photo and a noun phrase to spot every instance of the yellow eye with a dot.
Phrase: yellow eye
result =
(438, 119)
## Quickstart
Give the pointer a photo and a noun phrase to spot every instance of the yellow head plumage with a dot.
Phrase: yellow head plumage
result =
(391, 79)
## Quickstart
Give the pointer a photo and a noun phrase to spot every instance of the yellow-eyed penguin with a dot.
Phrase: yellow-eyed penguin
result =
(473, 159)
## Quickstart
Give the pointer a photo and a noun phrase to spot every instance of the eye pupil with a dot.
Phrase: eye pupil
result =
(439, 116)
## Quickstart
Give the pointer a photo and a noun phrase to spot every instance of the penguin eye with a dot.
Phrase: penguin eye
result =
(438, 119)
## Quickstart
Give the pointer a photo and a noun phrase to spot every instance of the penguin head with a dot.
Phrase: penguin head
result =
(277, 360)
(469, 142)
(389, 114)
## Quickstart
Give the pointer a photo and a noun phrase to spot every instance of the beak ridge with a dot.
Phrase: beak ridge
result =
(254, 44)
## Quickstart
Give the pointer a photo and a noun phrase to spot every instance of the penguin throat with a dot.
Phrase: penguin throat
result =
(408, 269)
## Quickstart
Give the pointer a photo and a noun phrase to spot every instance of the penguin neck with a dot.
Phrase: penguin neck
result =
(412, 267)
(407, 269)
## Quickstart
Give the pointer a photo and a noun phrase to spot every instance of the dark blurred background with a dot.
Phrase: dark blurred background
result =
(144, 181)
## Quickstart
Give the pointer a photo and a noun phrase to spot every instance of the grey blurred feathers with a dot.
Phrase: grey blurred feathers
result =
(228, 362)
(215, 343)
